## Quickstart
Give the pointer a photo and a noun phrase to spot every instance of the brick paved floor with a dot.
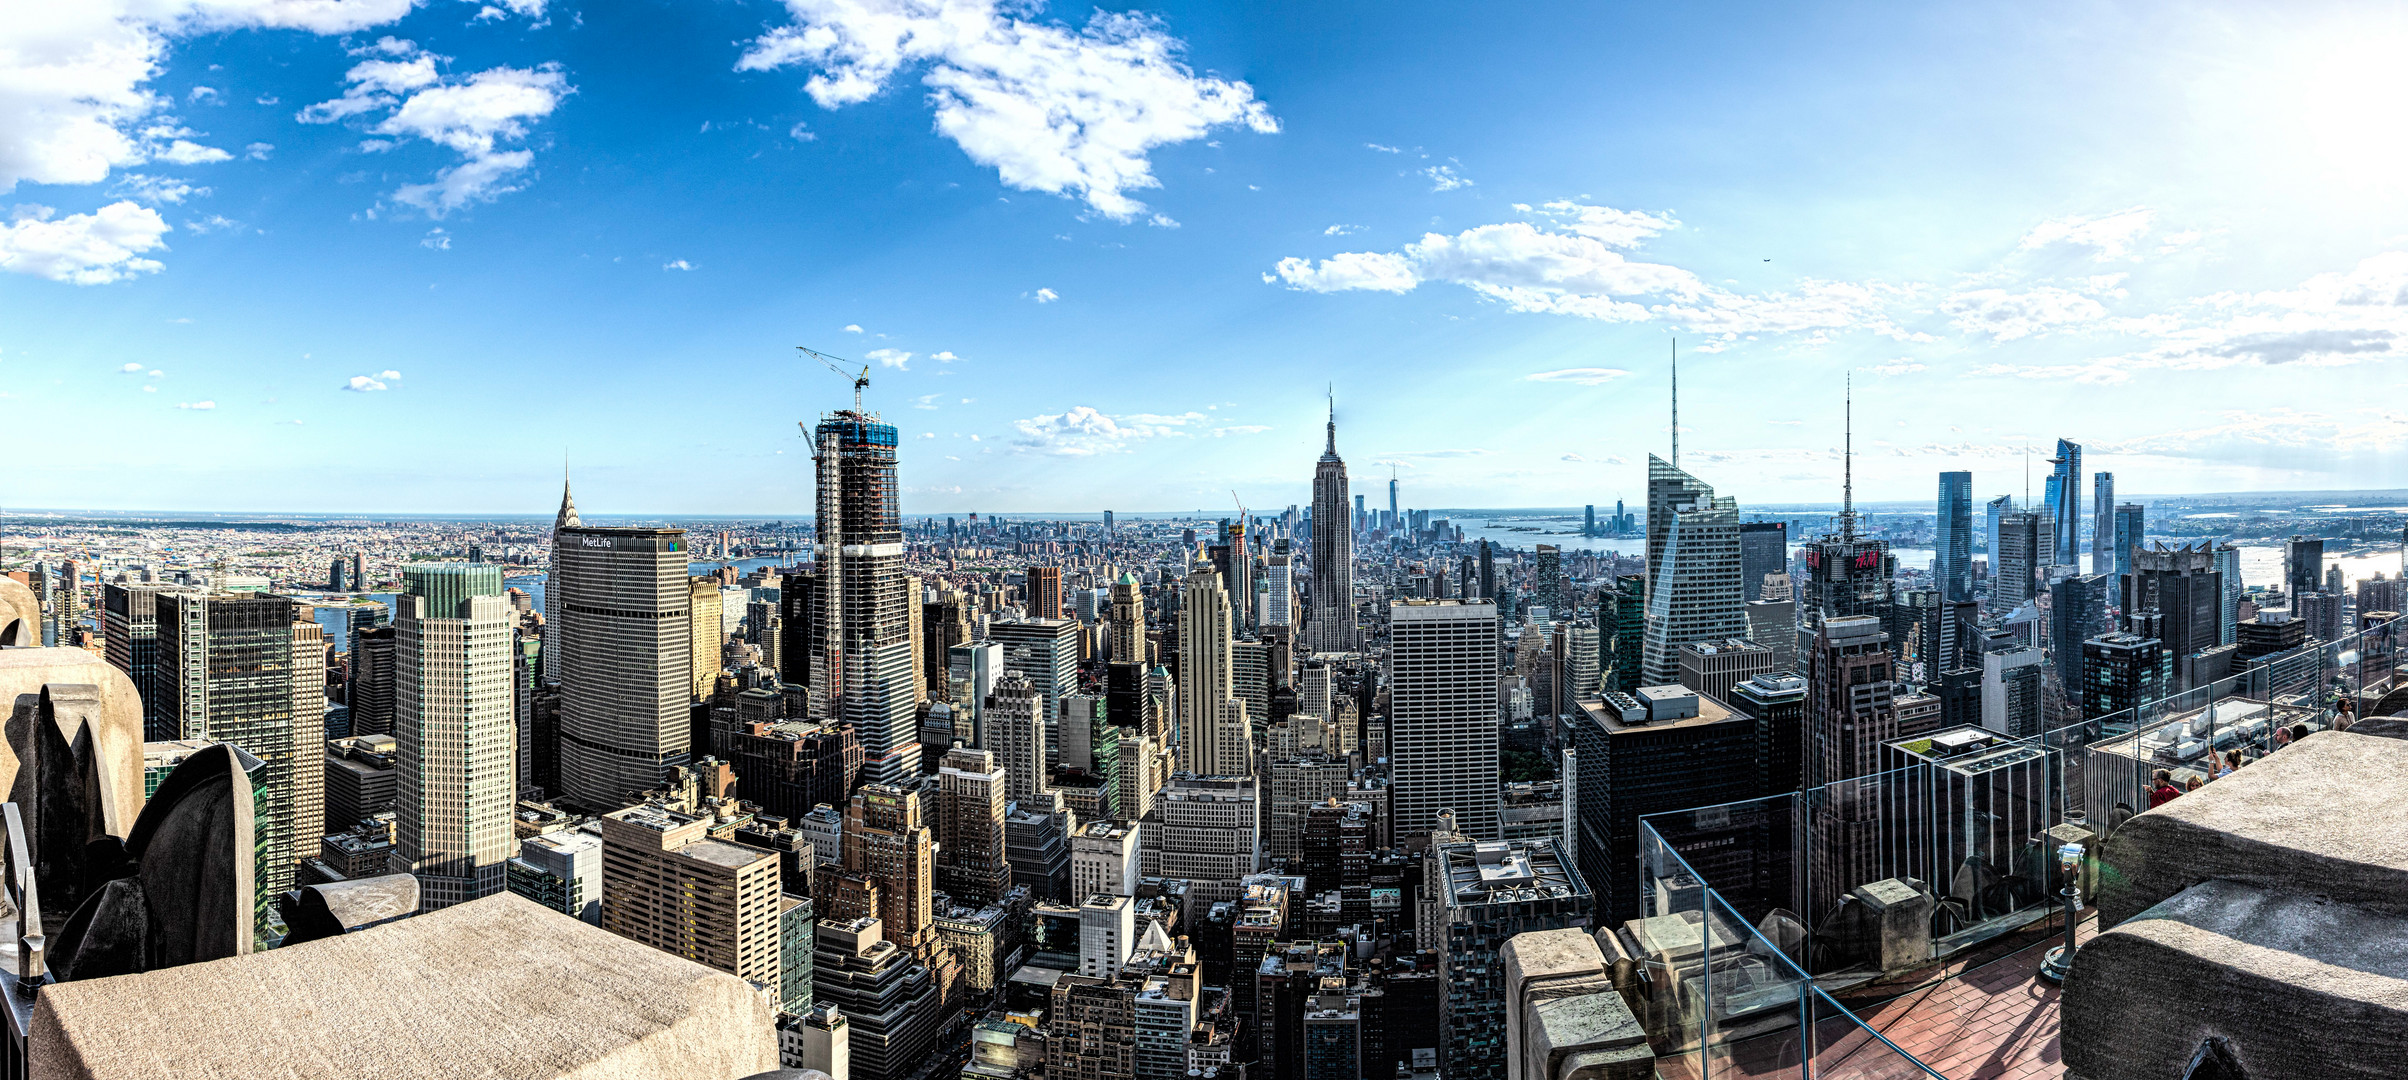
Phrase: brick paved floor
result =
(1996, 1022)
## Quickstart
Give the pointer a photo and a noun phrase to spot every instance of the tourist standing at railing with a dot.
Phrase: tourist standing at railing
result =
(2192, 784)
(2162, 789)
(2282, 738)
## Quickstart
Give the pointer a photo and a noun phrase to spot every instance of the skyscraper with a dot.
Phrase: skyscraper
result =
(1045, 592)
(454, 726)
(1994, 512)
(2015, 562)
(2303, 565)
(625, 640)
(2064, 505)
(309, 732)
(861, 673)
(129, 630)
(1952, 535)
(1128, 621)
(1207, 674)
(2128, 528)
(225, 671)
(2181, 584)
(1693, 568)
(1850, 687)
(1763, 549)
(970, 807)
(705, 609)
(2102, 526)
(1442, 715)
(1331, 625)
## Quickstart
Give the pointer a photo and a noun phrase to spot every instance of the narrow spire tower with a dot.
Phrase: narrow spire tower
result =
(1676, 403)
(1847, 484)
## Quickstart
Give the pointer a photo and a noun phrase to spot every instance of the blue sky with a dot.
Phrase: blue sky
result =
(410, 254)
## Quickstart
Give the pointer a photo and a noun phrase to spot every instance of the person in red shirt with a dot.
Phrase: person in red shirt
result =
(2162, 789)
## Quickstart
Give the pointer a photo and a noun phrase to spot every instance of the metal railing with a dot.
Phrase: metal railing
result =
(1767, 887)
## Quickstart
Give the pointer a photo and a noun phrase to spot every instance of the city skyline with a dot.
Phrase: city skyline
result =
(426, 216)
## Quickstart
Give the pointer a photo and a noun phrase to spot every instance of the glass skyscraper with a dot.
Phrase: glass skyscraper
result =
(1952, 536)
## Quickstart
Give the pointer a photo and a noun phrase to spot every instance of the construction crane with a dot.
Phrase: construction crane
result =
(860, 382)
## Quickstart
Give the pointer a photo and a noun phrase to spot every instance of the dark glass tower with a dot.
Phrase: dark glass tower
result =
(1952, 564)
(621, 625)
(861, 672)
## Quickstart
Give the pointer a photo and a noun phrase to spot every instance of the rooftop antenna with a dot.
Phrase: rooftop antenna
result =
(1847, 488)
(860, 381)
(1333, 418)
(1676, 403)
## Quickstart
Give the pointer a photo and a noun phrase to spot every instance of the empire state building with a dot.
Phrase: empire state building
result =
(1331, 627)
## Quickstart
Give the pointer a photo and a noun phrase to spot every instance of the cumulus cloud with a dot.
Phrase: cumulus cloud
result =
(946, 357)
(368, 384)
(677, 264)
(1052, 108)
(2006, 316)
(476, 117)
(893, 358)
(103, 246)
(130, 369)
(1341, 230)
(77, 102)
(852, 328)
(1583, 376)
(1085, 431)
(2108, 236)
(1046, 296)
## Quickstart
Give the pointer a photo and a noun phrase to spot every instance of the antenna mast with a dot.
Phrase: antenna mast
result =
(1847, 488)
(1676, 403)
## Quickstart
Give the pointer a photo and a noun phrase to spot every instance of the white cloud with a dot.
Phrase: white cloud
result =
(437, 239)
(202, 406)
(1584, 376)
(1443, 178)
(1085, 431)
(158, 189)
(150, 389)
(368, 384)
(1047, 296)
(473, 117)
(852, 328)
(187, 152)
(130, 369)
(1899, 367)
(1574, 457)
(1341, 230)
(203, 93)
(155, 373)
(801, 132)
(88, 249)
(2006, 316)
(1051, 108)
(926, 401)
(946, 357)
(212, 223)
(1382, 149)
(2108, 236)
(1163, 221)
(75, 77)
(677, 264)
(1568, 264)
(893, 358)
(259, 151)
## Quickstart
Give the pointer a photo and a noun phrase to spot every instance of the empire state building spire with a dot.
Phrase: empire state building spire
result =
(1329, 452)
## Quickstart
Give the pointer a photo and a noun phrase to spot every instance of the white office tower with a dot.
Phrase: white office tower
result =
(1694, 587)
(454, 723)
(1206, 830)
(1442, 717)
(1015, 730)
(1107, 931)
(1206, 687)
(1331, 626)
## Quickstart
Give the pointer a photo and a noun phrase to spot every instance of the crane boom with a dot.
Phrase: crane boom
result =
(860, 381)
